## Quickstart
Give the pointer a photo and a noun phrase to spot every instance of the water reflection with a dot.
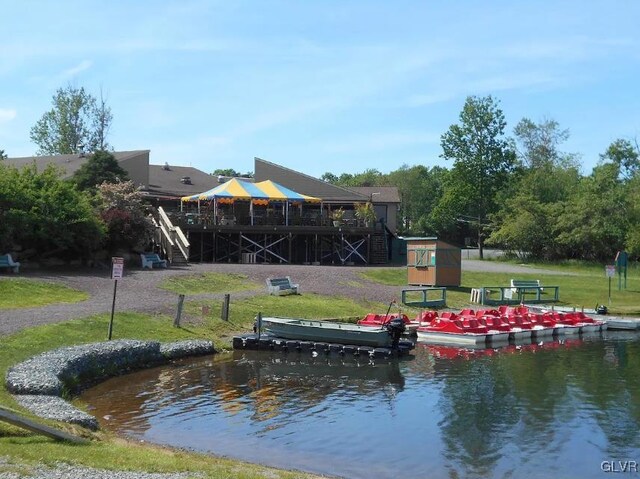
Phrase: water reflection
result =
(553, 408)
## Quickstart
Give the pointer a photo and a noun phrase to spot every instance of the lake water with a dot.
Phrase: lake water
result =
(558, 409)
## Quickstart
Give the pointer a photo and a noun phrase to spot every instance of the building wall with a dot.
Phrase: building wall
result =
(138, 168)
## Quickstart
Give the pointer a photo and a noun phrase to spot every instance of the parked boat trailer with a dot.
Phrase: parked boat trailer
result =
(270, 343)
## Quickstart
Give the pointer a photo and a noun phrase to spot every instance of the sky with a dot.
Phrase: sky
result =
(336, 86)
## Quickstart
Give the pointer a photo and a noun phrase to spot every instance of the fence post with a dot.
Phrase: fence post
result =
(225, 307)
(176, 322)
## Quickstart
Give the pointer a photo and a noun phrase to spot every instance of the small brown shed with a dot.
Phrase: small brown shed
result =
(432, 262)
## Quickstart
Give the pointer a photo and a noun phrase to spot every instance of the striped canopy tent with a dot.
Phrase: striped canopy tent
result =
(261, 193)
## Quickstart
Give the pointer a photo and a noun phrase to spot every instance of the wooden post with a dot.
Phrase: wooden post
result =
(113, 308)
(225, 307)
(258, 324)
(176, 322)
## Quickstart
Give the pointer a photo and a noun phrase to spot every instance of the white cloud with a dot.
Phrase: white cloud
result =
(73, 71)
(7, 115)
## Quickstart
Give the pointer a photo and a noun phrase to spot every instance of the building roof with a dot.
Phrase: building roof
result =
(69, 164)
(169, 180)
(305, 184)
(378, 194)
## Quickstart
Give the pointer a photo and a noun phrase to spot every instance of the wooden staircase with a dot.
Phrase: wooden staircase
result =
(171, 240)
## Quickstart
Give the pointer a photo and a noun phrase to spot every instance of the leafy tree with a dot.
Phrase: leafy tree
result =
(45, 216)
(537, 144)
(593, 223)
(625, 155)
(124, 214)
(420, 190)
(3, 155)
(231, 173)
(632, 240)
(483, 161)
(524, 227)
(99, 168)
(329, 178)
(75, 123)
(102, 118)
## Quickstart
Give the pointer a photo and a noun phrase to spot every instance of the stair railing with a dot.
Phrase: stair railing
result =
(172, 236)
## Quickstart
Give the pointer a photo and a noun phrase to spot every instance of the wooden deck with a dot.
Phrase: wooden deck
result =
(293, 244)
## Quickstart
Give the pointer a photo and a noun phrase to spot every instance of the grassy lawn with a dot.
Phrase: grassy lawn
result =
(209, 283)
(585, 287)
(25, 293)
(109, 452)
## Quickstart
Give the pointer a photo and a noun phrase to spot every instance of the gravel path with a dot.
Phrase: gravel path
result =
(139, 291)
(66, 471)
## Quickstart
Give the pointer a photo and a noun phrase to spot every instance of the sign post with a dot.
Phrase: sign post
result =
(610, 269)
(117, 271)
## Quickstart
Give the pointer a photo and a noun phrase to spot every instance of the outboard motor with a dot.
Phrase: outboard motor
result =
(395, 328)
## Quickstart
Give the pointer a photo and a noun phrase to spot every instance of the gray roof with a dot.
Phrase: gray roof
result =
(169, 182)
(305, 184)
(67, 163)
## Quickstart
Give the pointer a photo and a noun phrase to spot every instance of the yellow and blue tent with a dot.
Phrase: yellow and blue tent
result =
(259, 193)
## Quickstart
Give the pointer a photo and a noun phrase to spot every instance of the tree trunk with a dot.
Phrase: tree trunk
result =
(480, 245)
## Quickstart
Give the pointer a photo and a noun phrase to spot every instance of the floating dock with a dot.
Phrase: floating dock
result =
(271, 343)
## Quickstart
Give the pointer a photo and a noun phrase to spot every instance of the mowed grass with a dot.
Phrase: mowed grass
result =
(26, 293)
(209, 283)
(243, 312)
(580, 286)
(108, 452)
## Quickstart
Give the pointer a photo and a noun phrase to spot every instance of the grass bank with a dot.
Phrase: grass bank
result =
(580, 285)
(25, 293)
(201, 320)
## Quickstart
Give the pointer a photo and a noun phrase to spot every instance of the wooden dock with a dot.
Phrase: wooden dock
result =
(270, 343)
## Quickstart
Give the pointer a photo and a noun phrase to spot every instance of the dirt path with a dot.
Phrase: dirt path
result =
(139, 290)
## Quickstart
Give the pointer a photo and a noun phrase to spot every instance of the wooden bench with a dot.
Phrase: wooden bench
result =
(281, 286)
(6, 261)
(149, 260)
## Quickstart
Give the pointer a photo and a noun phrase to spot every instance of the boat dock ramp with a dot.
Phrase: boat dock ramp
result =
(271, 343)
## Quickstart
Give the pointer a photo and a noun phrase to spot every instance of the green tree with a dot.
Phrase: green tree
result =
(329, 178)
(101, 123)
(593, 222)
(231, 173)
(632, 240)
(3, 155)
(483, 161)
(537, 144)
(420, 190)
(625, 155)
(524, 227)
(46, 216)
(75, 123)
(99, 168)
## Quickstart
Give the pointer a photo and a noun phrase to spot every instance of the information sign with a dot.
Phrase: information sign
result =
(117, 267)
